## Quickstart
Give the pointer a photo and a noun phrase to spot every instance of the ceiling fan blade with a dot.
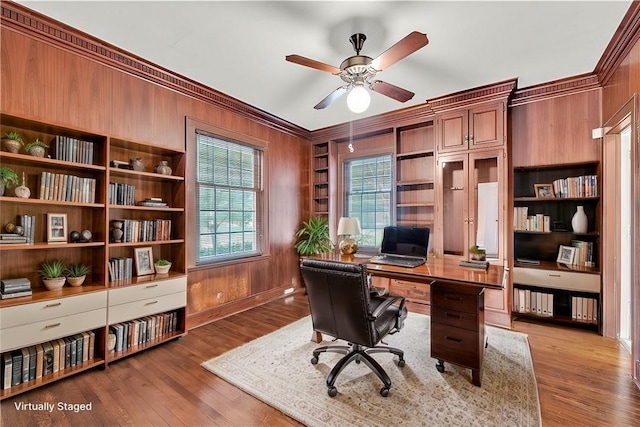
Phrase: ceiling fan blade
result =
(301, 60)
(400, 50)
(331, 97)
(391, 91)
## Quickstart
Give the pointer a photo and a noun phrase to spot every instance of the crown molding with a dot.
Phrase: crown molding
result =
(556, 88)
(43, 28)
(492, 92)
(623, 40)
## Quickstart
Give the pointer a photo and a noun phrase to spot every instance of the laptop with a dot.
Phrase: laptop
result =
(403, 246)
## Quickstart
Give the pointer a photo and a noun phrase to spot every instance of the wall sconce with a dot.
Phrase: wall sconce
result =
(347, 228)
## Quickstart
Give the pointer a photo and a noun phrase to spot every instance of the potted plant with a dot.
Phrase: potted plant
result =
(36, 148)
(7, 177)
(162, 266)
(12, 142)
(76, 273)
(52, 273)
(314, 237)
(477, 254)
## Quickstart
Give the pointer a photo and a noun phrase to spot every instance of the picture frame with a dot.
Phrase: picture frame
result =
(544, 191)
(56, 227)
(143, 258)
(566, 254)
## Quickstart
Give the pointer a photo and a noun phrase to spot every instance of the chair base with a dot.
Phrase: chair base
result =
(358, 353)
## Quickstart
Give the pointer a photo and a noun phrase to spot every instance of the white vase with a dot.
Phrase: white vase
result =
(579, 221)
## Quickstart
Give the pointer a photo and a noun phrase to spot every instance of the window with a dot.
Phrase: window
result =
(367, 192)
(229, 198)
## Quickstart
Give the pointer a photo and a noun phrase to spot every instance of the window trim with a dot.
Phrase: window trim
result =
(191, 127)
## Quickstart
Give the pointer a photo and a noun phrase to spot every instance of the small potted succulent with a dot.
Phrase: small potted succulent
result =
(52, 273)
(12, 142)
(36, 148)
(76, 274)
(477, 254)
(162, 266)
(7, 177)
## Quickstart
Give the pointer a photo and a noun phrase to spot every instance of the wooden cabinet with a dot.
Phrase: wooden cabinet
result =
(457, 326)
(411, 291)
(481, 126)
(415, 176)
(76, 180)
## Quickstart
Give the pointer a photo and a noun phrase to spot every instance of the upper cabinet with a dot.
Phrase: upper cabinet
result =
(481, 126)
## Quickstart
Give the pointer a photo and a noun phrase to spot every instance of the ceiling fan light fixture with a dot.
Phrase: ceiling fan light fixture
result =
(358, 99)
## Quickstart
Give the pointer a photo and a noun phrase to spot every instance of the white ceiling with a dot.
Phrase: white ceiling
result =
(238, 47)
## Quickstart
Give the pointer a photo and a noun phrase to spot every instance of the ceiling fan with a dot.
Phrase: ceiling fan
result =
(358, 71)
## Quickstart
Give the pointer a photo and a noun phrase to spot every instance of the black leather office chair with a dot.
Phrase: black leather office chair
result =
(342, 307)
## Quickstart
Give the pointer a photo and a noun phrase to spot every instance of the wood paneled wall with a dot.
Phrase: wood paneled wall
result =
(624, 82)
(50, 83)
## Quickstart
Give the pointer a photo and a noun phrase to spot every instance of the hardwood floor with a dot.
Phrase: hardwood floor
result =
(582, 380)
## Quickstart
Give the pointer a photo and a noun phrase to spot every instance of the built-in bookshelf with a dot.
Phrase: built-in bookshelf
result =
(75, 179)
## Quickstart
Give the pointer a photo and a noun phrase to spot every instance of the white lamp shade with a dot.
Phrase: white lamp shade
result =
(348, 226)
(358, 99)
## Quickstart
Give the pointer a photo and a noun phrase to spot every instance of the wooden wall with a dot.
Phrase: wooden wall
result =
(52, 77)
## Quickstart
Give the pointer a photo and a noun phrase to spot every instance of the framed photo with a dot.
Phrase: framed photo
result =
(566, 254)
(544, 190)
(144, 261)
(56, 227)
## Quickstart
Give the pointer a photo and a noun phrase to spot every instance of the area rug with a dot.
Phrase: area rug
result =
(277, 369)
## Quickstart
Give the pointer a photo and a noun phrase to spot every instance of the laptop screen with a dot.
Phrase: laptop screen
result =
(405, 241)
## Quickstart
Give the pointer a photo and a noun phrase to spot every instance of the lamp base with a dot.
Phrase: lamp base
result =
(348, 246)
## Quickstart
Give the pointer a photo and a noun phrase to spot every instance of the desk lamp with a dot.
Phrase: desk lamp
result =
(347, 228)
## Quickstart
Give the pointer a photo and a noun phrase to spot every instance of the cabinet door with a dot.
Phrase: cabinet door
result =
(453, 209)
(453, 131)
(486, 126)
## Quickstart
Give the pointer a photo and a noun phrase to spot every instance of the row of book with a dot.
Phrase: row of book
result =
(584, 309)
(533, 302)
(584, 254)
(121, 194)
(71, 150)
(120, 268)
(576, 186)
(141, 331)
(522, 221)
(67, 188)
(145, 230)
(30, 363)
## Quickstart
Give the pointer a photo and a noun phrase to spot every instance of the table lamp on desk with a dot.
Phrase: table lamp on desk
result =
(347, 228)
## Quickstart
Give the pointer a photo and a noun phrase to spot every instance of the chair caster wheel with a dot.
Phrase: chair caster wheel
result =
(440, 366)
(314, 360)
(384, 391)
(401, 363)
(332, 391)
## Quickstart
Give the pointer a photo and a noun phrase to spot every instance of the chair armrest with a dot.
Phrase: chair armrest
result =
(389, 301)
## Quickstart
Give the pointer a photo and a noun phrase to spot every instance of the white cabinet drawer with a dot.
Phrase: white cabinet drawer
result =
(143, 291)
(136, 309)
(43, 310)
(46, 330)
(566, 280)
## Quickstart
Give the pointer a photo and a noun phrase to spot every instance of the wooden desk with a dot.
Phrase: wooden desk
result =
(457, 306)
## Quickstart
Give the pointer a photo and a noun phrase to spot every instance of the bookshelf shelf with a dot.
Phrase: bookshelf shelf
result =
(48, 246)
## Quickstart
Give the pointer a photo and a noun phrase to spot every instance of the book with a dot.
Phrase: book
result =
(63, 350)
(474, 264)
(56, 355)
(16, 368)
(25, 364)
(47, 367)
(32, 362)
(7, 369)
(15, 294)
(85, 346)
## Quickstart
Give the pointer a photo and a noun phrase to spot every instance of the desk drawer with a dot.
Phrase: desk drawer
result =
(452, 300)
(453, 318)
(137, 309)
(555, 279)
(412, 291)
(455, 345)
(46, 330)
(146, 290)
(34, 312)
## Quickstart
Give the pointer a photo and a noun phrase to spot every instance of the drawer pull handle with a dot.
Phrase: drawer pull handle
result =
(151, 303)
(452, 298)
(455, 316)
(53, 325)
(151, 286)
(456, 340)
(55, 304)
(553, 275)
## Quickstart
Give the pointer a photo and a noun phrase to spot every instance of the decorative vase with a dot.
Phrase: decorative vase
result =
(579, 221)
(22, 191)
(37, 151)
(136, 164)
(116, 231)
(54, 284)
(76, 281)
(163, 168)
(162, 269)
(11, 145)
